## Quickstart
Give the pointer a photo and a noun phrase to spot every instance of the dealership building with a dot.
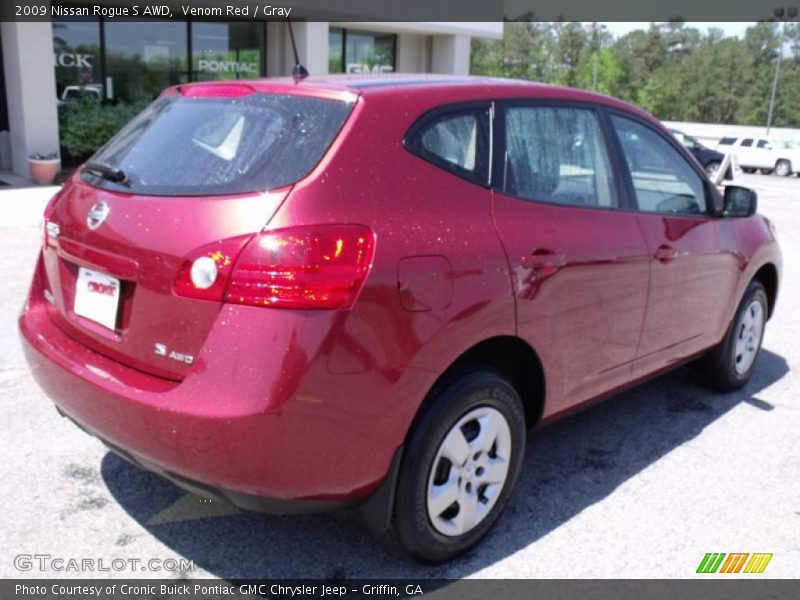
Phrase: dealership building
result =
(49, 64)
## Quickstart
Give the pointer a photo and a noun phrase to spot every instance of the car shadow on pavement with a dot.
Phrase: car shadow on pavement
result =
(569, 466)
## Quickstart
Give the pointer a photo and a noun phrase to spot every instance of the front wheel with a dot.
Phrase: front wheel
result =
(461, 463)
(729, 366)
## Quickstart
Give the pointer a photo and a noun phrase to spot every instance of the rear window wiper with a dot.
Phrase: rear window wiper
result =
(106, 171)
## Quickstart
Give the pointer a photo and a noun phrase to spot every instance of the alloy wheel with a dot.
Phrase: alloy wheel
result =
(469, 471)
(748, 338)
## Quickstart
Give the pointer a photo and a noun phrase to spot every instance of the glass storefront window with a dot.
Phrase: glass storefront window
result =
(123, 64)
(353, 51)
(227, 50)
(335, 50)
(76, 46)
(143, 58)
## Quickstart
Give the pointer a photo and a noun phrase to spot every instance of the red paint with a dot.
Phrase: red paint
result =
(312, 403)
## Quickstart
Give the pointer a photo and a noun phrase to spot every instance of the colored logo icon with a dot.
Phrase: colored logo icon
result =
(737, 562)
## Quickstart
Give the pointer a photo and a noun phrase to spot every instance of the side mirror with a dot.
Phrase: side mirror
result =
(739, 201)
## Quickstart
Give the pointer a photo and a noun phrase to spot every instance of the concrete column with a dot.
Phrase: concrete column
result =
(451, 54)
(312, 46)
(413, 53)
(31, 90)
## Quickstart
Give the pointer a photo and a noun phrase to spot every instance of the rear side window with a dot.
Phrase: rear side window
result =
(557, 155)
(181, 146)
(727, 141)
(456, 140)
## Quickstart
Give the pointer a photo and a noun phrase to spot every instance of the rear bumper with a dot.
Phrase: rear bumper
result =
(245, 501)
(238, 428)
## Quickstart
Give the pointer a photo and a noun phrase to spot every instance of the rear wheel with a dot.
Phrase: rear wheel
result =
(783, 168)
(461, 463)
(729, 366)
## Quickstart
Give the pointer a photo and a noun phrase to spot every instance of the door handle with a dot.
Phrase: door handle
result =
(544, 262)
(665, 253)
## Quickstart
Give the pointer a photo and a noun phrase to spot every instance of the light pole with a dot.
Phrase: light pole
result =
(595, 29)
(791, 13)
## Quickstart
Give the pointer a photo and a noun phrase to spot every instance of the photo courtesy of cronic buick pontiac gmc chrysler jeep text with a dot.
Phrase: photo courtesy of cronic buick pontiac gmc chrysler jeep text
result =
(362, 292)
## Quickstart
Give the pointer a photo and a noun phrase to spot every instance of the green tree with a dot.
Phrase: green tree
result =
(674, 71)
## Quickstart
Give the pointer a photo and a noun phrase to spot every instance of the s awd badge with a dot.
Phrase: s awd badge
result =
(162, 350)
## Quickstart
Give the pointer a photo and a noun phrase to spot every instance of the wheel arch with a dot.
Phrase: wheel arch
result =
(513, 358)
(767, 275)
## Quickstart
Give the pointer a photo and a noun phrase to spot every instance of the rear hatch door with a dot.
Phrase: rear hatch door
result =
(194, 169)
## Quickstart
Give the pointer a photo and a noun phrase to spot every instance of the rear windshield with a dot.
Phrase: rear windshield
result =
(193, 146)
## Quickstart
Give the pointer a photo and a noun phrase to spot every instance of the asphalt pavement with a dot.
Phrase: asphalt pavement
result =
(642, 485)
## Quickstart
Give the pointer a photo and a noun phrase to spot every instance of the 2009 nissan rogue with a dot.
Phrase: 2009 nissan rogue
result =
(343, 291)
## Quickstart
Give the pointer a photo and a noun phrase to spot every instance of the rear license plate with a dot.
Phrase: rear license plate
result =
(97, 297)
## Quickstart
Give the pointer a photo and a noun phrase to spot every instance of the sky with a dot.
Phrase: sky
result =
(731, 29)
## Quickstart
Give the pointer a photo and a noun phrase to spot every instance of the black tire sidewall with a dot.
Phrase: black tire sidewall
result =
(728, 375)
(413, 527)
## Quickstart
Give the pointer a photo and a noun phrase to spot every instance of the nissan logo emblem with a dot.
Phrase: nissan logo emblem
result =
(97, 214)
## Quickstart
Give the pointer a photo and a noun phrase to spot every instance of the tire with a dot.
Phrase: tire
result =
(712, 167)
(453, 427)
(783, 168)
(731, 364)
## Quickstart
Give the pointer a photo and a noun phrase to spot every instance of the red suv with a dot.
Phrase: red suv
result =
(341, 291)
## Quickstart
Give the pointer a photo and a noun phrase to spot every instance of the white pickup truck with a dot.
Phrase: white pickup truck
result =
(779, 156)
(74, 93)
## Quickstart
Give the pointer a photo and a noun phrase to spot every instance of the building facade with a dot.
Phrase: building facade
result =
(49, 64)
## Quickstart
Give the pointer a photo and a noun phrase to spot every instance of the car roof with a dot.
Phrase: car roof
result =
(448, 89)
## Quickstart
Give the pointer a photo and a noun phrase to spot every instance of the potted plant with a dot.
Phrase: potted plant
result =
(44, 167)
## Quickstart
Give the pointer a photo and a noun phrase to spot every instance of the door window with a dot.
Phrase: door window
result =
(663, 180)
(747, 143)
(556, 154)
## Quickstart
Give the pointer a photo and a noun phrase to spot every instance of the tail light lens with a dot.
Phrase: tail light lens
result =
(224, 254)
(51, 229)
(313, 267)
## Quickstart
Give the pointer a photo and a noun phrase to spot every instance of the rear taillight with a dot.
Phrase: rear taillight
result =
(224, 254)
(51, 229)
(310, 267)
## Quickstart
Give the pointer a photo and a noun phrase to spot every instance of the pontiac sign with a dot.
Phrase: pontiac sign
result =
(226, 66)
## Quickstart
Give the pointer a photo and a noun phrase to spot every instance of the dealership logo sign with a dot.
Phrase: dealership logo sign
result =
(78, 61)
(360, 68)
(226, 66)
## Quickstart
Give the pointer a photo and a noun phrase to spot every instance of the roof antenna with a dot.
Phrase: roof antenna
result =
(299, 72)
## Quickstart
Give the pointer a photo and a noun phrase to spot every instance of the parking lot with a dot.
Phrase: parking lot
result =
(641, 486)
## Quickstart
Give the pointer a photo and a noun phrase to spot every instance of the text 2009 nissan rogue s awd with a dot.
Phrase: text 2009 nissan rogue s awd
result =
(362, 292)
